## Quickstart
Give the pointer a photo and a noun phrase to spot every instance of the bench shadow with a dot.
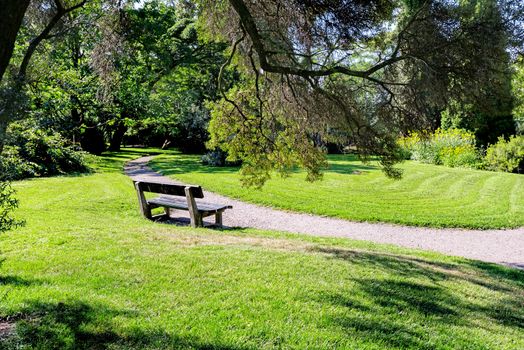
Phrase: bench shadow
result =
(78, 325)
(186, 222)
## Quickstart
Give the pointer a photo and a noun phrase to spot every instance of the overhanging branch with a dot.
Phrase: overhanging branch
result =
(249, 25)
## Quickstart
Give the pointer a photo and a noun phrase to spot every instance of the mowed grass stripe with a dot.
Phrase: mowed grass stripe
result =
(428, 195)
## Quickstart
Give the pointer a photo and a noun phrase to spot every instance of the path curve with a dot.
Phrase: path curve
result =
(498, 246)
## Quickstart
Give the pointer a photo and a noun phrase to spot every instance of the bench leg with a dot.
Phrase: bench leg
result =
(218, 218)
(168, 212)
(196, 220)
(145, 209)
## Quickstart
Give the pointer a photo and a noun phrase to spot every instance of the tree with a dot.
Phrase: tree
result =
(157, 42)
(486, 109)
(518, 92)
(10, 25)
(14, 11)
(10, 104)
(371, 70)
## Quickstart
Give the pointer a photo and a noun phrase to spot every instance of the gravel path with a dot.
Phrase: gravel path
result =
(498, 246)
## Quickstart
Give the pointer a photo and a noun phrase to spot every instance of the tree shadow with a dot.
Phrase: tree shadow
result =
(15, 281)
(401, 288)
(488, 275)
(184, 165)
(77, 325)
(351, 169)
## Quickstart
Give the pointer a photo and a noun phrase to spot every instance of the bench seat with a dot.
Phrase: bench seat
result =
(181, 203)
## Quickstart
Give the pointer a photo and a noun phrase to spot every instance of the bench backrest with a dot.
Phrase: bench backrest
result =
(173, 190)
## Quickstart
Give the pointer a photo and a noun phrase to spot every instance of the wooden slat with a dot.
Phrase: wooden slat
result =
(181, 203)
(172, 203)
(174, 190)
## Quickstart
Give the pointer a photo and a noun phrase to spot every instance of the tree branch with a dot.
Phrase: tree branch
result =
(61, 11)
(249, 25)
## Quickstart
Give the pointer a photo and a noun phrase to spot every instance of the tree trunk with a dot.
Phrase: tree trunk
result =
(117, 137)
(13, 12)
(3, 128)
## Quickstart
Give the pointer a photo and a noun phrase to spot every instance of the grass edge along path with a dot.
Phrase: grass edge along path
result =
(427, 195)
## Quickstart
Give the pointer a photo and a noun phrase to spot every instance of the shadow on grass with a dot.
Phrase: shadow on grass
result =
(184, 164)
(78, 325)
(186, 222)
(188, 164)
(351, 169)
(15, 281)
(411, 288)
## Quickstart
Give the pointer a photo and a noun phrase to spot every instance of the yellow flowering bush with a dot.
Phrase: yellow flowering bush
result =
(450, 147)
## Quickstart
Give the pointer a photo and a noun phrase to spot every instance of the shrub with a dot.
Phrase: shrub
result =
(7, 204)
(34, 152)
(451, 147)
(217, 158)
(506, 155)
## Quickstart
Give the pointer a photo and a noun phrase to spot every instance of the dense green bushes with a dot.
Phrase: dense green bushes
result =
(31, 152)
(506, 155)
(456, 148)
(452, 147)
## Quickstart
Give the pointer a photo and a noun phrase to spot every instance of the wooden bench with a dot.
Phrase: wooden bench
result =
(171, 198)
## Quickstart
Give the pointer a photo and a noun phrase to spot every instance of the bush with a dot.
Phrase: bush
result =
(452, 147)
(7, 204)
(506, 155)
(34, 152)
(217, 158)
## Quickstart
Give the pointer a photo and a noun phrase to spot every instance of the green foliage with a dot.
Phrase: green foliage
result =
(32, 152)
(263, 143)
(484, 108)
(164, 74)
(518, 92)
(451, 147)
(506, 155)
(7, 204)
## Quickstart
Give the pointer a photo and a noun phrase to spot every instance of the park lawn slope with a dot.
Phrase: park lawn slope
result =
(427, 195)
(87, 272)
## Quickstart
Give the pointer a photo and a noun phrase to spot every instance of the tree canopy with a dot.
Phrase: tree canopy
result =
(274, 82)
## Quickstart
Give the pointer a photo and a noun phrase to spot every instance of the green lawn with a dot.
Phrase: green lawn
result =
(427, 195)
(86, 272)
